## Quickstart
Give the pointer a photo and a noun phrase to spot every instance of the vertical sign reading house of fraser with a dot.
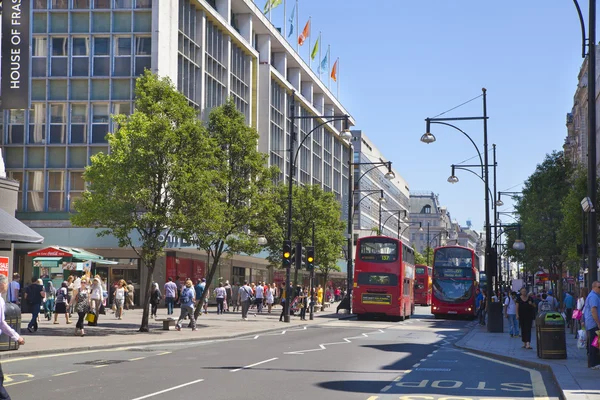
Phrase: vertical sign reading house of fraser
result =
(16, 15)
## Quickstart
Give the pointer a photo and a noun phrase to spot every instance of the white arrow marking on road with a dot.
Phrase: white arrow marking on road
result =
(323, 346)
(168, 390)
(254, 365)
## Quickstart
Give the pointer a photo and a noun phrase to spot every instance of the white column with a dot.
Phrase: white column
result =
(245, 25)
(280, 63)
(223, 8)
(307, 91)
(263, 45)
(294, 77)
(165, 32)
(319, 102)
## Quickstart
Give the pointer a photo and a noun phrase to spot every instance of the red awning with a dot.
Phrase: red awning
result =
(51, 251)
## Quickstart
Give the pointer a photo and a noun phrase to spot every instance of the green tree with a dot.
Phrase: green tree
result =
(160, 156)
(420, 258)
(311, 205)
(242, 193)
(541, 217)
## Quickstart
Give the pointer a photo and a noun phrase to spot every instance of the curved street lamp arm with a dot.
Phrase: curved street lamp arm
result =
(364, 197)
(393, 212)
(464, 133)
(582, 23)
(477, 175)
(332, 119)
(409, 225)
(379, 164)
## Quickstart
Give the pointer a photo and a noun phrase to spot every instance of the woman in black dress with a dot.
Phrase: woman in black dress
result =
(525, 315)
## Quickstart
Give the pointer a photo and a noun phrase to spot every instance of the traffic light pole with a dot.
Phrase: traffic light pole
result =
(311, 303)
(288, 268)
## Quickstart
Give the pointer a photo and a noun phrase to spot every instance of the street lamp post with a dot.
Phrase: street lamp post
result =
(495, 313)
(393, 212)
(400, 234)
(293, 153)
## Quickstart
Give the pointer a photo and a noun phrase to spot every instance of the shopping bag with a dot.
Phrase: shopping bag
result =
(576, 314)
(581, 339)
(595, 342)
(90, 317)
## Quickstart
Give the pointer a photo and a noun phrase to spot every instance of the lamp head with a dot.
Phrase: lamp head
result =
(453, 179)
(518, 245)
(389, 175)
(345, 133)
(261, 240)
(428, 138)
(499, 203)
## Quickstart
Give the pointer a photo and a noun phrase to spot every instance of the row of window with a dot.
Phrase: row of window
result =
(51, 157)
(83, 4)
(96, 22)
(48, 190)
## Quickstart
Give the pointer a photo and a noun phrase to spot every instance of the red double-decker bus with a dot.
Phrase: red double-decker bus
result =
(383, 278)
(455, 276)
(423, 281)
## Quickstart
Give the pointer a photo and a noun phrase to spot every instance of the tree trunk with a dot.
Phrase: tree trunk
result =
(211, 272)
(146, 299)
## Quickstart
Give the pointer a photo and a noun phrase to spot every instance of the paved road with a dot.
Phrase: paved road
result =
(372, 360)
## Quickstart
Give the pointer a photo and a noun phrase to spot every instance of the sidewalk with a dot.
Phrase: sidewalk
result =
(110, 332)
(576, 381)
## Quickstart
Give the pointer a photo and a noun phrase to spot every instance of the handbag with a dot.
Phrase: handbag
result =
(577, 314)
(595, 342)
(90, 317)
(250, 296)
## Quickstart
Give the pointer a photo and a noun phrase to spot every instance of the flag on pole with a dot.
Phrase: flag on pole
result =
(271, 4)
(324, 64)
(315, 49)
(334, 70)
(305, 33)
(291, 21)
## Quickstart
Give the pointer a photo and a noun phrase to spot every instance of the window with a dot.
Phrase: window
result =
(102, 3)
(76, 187)
(60, 4)
(59, 22)
(59, 57)
(80, 54)
(143, 3)
(121, 108)
(58, 123)
(123, 3)
(379, 279)
(35, 191)
(40, 4)
(100, 22)
(99, 123)
(16, 126)
(121, 22)
(81, 3)
(379, 250)
(406, 287)
(143, 48)
(56, 191)
(79, 119)
(39, 56)
(427, 209)
(80, 22)
(37, 124)
(122, 51)
(18, 176)
(101, 56)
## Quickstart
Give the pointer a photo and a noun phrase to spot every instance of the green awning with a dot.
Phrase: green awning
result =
(57, 259)
(108, 262)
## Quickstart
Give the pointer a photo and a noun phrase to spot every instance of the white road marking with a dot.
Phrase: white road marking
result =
(137, 359)
(65, 373)
(323, 346)
(416, 365)
(385, 389)
(256, 337)
(254, 365)
(168, 390)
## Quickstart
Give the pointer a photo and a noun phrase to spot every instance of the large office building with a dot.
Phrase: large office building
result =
(86, 55)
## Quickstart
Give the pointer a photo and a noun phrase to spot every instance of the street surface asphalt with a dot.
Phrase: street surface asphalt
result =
(346, 359)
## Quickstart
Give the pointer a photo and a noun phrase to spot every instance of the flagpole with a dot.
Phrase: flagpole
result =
(270, 8)
(284, 31)
(320, 59)
(338, 78)
(309, 41)
(328, 64)
(298, 27)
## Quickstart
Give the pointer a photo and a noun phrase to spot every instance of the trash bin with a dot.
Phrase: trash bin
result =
(550, 335)
(12, 316)
(495, 320)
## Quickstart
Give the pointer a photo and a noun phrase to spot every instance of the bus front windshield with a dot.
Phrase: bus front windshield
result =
(453, 274)
(453, 290)
(453, 257)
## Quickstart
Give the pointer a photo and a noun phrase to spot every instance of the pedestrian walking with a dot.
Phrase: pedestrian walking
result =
(14, 287)
(583, 292)
(49, 301)
(260, 296)
(34, 294)
(568, 305)
(95, 300)
(170, 295)
(155, 297)
(229, 297)
(70, 288)
(199, 289)
(7, 330)
(235, 291)
(592, 324)
(510, 311)
(303, 304)
(482, 307)
(221, 295)
(270, 297)
(525, 315)
(81, 305)
(130, 296)
(187, 300)
(245, 294)
(62, 302)
(120, 298)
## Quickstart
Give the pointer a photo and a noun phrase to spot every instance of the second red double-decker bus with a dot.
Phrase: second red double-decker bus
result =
(423, 281)
(383, 278)
(455, 276)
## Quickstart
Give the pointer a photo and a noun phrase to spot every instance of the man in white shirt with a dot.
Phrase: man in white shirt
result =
(260, 291)
(5, 328)
(510, 311)
(14, 287)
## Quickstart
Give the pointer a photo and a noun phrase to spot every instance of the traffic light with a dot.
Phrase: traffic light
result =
(310, 258)
(287, 253)
(299, 256)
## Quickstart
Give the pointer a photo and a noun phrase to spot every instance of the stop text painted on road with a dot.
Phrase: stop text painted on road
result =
(452, 384)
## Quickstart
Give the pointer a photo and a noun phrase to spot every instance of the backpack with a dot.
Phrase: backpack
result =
(61, 295)
(186, 296)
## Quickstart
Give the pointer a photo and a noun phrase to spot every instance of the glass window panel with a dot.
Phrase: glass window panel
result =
(79, 90)
(38, 67)
(78, 133)
(60, 4)
(58, 90)
(143, 3)
(81, 3)
(95, 150)
(38, 89)
(56, 201)
(122, 66)
(59, 66)
(101, 3)
(100, 89)
(100, 113)
(35, 158)
(56, 157)
(59, 22)
(16, 117)
(123, 46)
(121, 89)
(142, 63)
(80, 22)
(37, 114)
(40, 4)
(40, 22)
(40, 47)
(35, 201)
(81, 66)
(101, 66)
(142, 22)
(77, 157)
(56, 180)
(77, 182)
(73, 196)
(122, 22)
(99, 133)
(58, 134)
(58, 114)
(101, 22)
(59, 46)
(13, 157)
(143, 46)
(101, 46)
(122, 108)
(123, 3)
(79, 113)
(15, 134)
(81, 46)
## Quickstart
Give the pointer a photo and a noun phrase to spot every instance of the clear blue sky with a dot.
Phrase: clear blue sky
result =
(402, 61)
